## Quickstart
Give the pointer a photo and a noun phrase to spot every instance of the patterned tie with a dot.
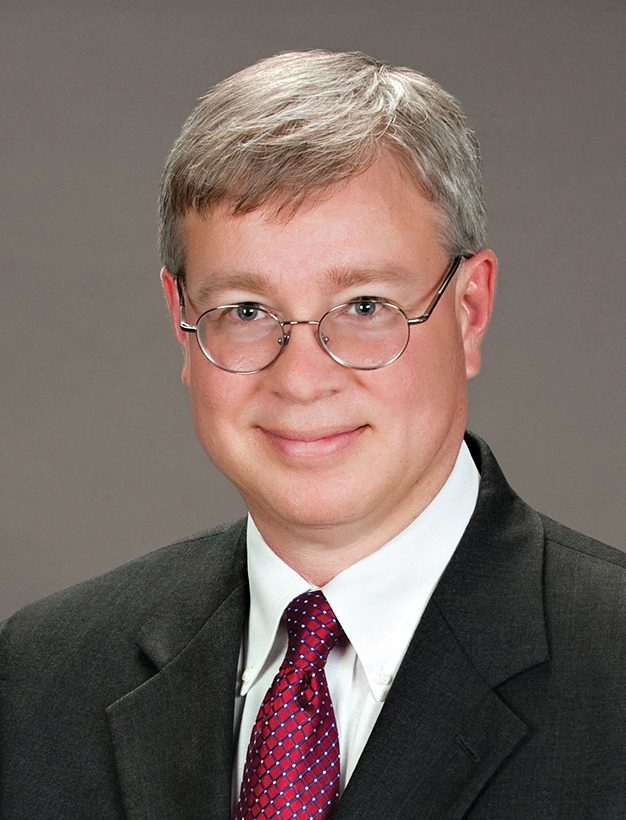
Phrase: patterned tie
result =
(292, 765)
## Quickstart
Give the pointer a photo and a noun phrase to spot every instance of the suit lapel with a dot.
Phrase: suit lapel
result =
(444, 731)
(173, 735)
(440, 736)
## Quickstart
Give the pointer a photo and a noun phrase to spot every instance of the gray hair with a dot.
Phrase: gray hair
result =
(289, 126)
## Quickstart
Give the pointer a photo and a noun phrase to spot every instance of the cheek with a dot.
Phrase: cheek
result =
(428, 382)
(218, 400)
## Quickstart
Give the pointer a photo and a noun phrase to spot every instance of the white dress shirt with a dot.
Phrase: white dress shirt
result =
(379, 602)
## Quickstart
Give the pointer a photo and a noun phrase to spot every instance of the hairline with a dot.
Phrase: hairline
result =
(281, 206)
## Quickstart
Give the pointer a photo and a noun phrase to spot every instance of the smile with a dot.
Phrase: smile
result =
(312, 444)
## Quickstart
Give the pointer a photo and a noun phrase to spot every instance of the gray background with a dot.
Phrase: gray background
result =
(100, 462)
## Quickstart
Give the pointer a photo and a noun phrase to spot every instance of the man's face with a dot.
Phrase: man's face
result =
(315, 447)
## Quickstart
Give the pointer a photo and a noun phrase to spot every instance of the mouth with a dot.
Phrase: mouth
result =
(312, 443)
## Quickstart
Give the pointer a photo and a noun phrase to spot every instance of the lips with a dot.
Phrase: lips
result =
(312, 443)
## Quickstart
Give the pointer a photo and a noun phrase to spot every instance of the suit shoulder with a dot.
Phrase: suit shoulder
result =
(199, 566)
(585, 585)
(582, 548)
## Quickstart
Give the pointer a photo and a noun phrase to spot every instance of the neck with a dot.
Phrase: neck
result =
(318, 553)
(319, 560)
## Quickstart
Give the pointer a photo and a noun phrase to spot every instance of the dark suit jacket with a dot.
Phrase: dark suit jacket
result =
(117, 695)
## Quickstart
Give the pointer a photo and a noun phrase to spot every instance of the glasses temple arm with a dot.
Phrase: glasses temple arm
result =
(440, 291)
(183, 324)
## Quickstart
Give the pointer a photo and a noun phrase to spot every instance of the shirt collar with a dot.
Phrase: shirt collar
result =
(379, 600)
(273, 585)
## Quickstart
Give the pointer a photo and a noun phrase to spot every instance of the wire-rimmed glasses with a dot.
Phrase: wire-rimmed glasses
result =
(364, 334)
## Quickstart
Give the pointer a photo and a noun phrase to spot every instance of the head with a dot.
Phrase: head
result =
(304, 182)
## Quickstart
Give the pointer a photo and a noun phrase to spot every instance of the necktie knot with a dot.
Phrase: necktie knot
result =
(313, 630)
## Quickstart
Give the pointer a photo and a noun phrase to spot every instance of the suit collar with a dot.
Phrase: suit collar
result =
(492, 591)
(193, 596)
(444, 731)
(173, 734)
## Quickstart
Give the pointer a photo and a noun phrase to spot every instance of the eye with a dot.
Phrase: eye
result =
(366, 306)
(246, 312)
(244, 315)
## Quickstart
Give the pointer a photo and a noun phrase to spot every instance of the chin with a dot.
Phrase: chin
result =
(304, 511)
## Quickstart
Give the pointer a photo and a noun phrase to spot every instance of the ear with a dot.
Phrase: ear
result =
(171, 297)
(476, 288)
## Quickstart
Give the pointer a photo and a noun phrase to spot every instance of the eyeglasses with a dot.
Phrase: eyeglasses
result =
(364, 334)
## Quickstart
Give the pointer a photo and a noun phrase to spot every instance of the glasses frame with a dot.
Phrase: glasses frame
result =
(286, 325)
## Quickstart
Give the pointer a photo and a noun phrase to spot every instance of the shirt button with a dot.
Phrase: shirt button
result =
(383, 678)
(247, 674)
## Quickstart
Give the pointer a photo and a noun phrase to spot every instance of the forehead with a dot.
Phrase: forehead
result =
(375, 224)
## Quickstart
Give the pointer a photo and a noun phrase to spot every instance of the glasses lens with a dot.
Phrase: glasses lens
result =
(241, 338)
(365, 334)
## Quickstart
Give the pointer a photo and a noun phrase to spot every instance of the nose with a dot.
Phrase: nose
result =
(304, 372)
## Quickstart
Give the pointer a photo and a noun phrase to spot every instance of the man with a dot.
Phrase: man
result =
(393, 633)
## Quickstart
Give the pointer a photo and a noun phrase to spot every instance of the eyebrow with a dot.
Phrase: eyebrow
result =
(334, 279)
(257, 282)
(343, 278)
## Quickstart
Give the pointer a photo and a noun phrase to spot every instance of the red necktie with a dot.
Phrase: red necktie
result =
(292, 765)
